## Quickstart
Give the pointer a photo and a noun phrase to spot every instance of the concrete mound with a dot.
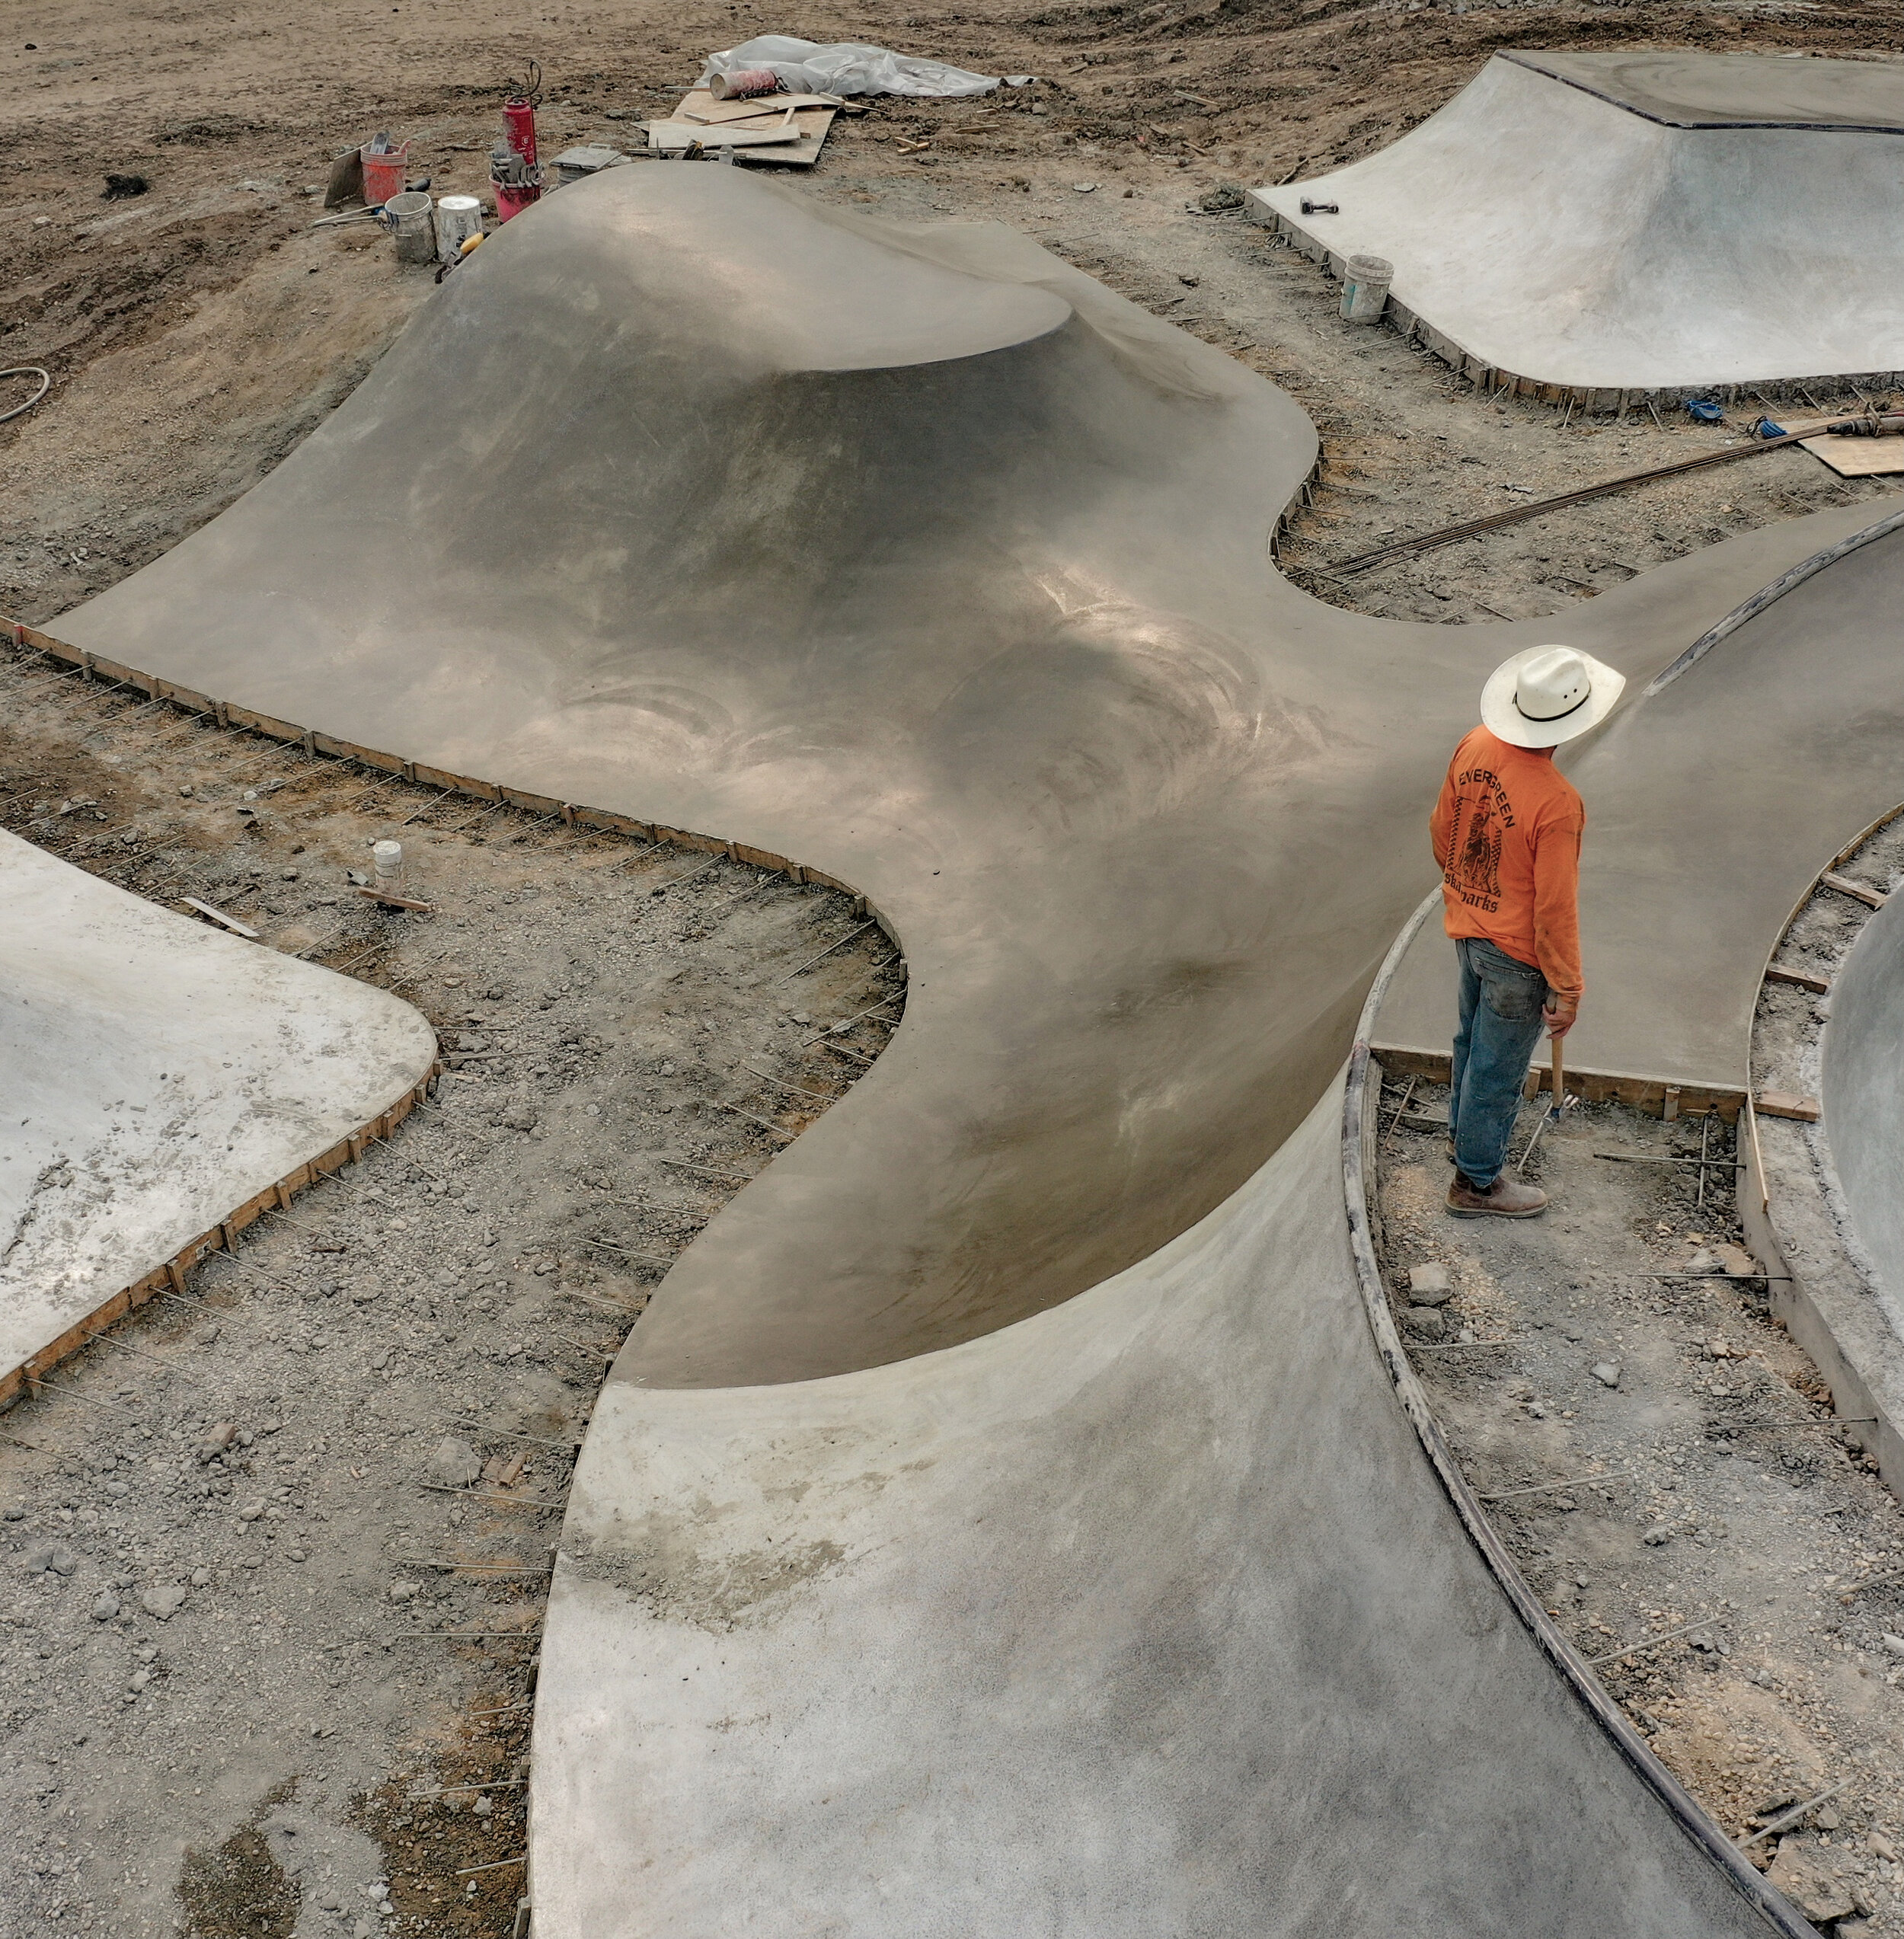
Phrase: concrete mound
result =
(1001, 1519)
(158, 1079)
(1612, 226)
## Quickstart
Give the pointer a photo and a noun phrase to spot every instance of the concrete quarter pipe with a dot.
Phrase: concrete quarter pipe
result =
(1617, 225)
(1000, 1522)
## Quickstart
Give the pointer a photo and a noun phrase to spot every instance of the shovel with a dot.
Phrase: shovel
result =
(1553, 1110)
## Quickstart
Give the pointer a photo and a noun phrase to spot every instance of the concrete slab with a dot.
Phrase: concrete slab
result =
(1086, 1590)
(158, 1077)
(1685, 90)
(1607, 226)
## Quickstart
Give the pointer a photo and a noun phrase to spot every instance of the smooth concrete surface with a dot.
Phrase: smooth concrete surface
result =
(1103, 1624)
(1861, 1094)
(1711, 806)
(942, 1558)
(157, 1076)
(1735, 91)
(1548, 232)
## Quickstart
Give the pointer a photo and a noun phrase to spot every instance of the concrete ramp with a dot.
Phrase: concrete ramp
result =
(1143, 1616)
(1612, 226)
(161, 1081)
(1002, 1520)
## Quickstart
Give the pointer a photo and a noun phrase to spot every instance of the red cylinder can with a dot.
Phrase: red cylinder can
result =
(519, 127)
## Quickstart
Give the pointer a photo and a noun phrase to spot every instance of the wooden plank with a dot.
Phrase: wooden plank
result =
(1786, 1103)
(716, 113)
(1858, 891)
(671, 137)
(1803, 979)
(1645, 1093)
(1858, 458)
(218, 916)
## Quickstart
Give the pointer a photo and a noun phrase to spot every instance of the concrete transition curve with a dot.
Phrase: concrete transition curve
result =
(162, 1083)
(1863, 1096)
(1000, 1520)
(1609, 226)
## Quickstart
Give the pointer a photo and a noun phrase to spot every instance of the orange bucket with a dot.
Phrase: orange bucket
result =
(385, 175)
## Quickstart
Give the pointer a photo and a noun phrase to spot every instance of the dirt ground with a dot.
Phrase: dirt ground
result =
(1671, 1470)
(632, 1032)
(267, 1758)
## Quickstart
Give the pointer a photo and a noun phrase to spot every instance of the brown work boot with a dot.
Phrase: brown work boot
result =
(1506, 1198)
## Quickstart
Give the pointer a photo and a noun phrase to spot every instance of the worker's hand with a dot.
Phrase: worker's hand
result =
(1559, 1014)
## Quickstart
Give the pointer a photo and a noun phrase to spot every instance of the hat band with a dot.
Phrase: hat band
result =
(1542, 719)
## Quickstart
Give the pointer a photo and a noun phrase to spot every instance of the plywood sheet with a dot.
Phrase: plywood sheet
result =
(699, 111)
(1859, 458)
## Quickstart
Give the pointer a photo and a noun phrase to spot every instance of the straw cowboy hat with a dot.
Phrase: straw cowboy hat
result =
(1548, 695)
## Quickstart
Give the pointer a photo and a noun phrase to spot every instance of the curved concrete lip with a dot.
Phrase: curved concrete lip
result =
(999, 1520)
(1615, 226)
(159, 1079)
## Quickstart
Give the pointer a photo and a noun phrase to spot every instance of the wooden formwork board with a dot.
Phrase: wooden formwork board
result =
(169, 1274)
(1652, 1094)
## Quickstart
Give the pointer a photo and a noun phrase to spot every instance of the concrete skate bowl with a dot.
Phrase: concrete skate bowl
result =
(1821, 1199)
(1863, 1094)
(1606, 228)
(1000, 1521)
(164, 1086)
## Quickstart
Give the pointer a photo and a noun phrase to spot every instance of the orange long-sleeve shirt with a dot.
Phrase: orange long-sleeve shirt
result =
(1506, 832)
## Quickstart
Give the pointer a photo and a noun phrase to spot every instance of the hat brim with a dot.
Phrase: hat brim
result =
(1505, 721)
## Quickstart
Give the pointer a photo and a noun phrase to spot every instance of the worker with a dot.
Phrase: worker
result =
(1506, 833)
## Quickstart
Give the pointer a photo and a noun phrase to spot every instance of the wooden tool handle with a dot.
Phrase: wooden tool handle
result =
(1559, 1092)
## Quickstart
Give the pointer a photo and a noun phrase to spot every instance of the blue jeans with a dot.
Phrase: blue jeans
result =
(1501, 1002)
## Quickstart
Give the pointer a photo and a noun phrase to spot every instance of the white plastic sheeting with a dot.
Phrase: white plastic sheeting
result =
(846, 68)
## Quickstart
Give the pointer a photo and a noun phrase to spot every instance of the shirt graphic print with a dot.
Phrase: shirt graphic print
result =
(1506, 834)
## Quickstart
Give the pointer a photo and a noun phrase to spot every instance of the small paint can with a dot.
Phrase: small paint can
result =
(409, 217)
(744, 84)
(1365, 289)
(459, 217)
(388, 857)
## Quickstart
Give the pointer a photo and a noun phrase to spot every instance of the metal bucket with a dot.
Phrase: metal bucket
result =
(411, 220)
(459, 217)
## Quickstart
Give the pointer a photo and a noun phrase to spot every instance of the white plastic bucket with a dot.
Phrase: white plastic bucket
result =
(409, 215)
(1365, 289)
(459, 217)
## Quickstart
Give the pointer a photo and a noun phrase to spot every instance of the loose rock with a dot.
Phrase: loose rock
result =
(454, 1463)
(163, 1601)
